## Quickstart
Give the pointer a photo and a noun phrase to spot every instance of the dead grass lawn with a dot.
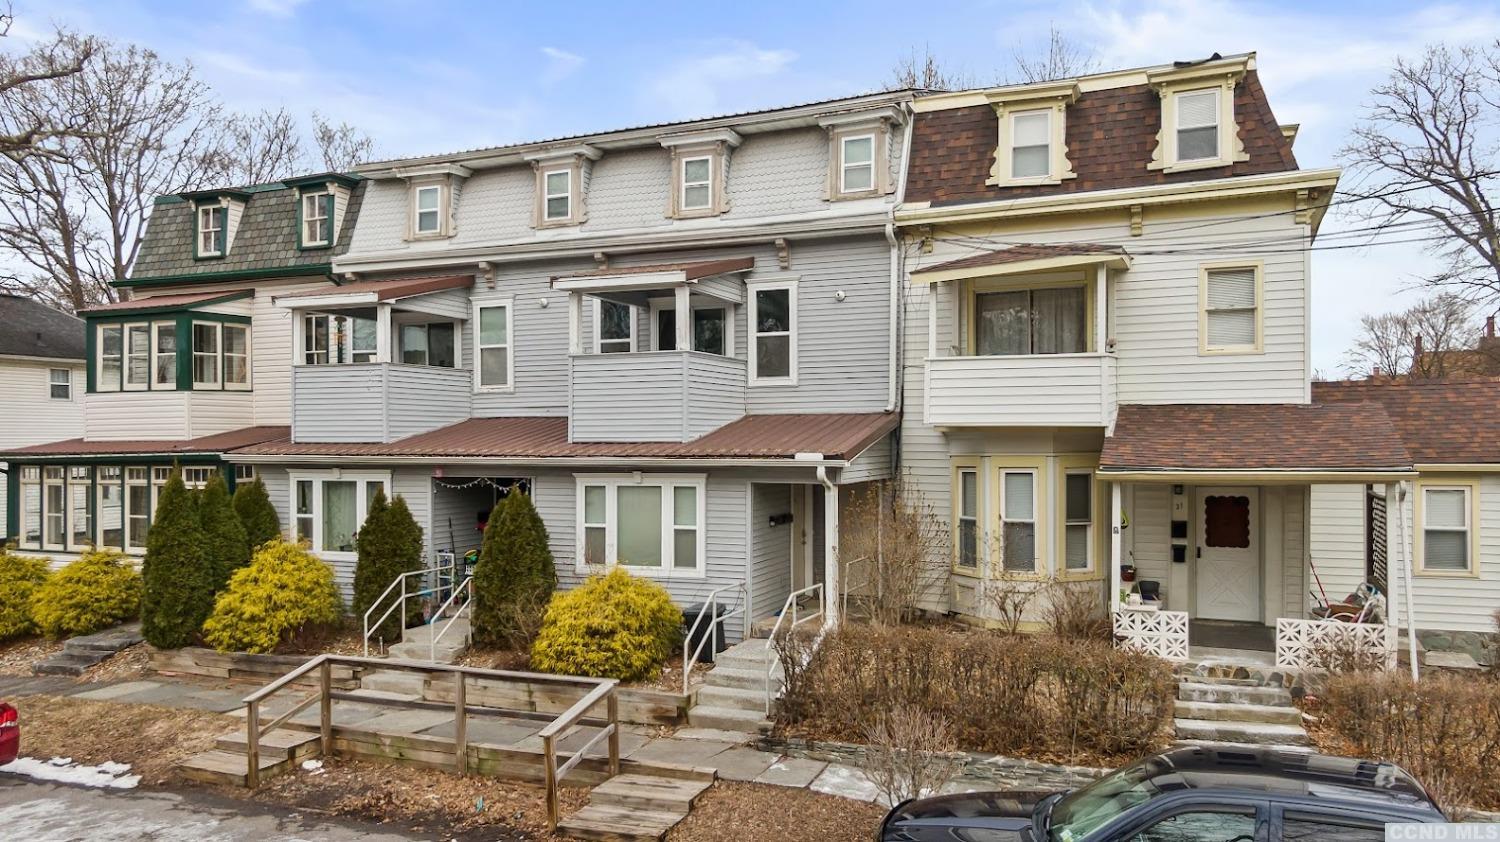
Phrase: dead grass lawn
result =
(153, 740)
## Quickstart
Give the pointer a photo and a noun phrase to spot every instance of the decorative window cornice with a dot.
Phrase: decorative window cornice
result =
(1049, 100)
(878, 125)
(578, 163)
(1220, 76)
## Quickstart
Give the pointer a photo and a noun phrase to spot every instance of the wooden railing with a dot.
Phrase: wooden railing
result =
(599, 689)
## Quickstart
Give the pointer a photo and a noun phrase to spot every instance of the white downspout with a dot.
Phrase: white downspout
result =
(894, 391)
(1411, 616)
(830, 548)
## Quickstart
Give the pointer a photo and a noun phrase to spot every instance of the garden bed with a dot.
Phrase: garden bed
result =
(243, 666)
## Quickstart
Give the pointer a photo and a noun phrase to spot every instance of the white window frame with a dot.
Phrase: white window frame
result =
(660, 305)
(1091, 523)
(417, 211)
(156, 355)
(509, 345)
(206, 214)
(668, 483)
(80, 478)
(244, 473)
(1204, 270)
(308, 352)
(30, 476)
(99, 357)
(959, 519)
(362, 481)
(322, 203)
(66, 383)
(683, 184)
(548, 195)
(845, 166)
(398, 329)
(196, 477)
(106, 477)
(751, 290)
(126, 356)
(218, 355)
(1178, 127)
(598, 326)
(1012, 117)
(224, 356)
(1470, 530)
(54, 476)
(137, 481)
(1034, 520)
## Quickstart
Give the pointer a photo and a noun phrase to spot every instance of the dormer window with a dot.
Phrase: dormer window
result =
(211, 231)
(1033, 134)
(1198, 125)
(1031, 144)
(428, 219)
(562, 183)
(859, 152)
(857, 163)
(317, 220)
(697, 183)
(699, 170)
(558, 202)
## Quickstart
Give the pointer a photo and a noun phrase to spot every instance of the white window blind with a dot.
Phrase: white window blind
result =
(1198, 125)
(1018, 520)
(1231, 307)
(1030, 142)
(1445, 520)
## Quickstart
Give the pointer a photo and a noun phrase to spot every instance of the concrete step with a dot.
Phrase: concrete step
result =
(1253, 733)
(1223, 712)
(280, 744)
(1226, 746)
(734, 698)
(446, 652)
(1199, 691)
(228, 768)
(424, 633)
(728, 719)
(739, 678)
(649, 792)
(67, 663)
(612, 822)
(394, 681)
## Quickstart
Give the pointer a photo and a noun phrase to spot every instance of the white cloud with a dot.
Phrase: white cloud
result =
(696, 86)
(276, 8)
(560, 64)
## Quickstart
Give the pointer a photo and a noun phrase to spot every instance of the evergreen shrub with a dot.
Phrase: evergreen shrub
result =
(284, 591)
(257, 515)
(20, 576)
(224, 541)
(95, 592)
(515, 575)
(178, 570)
(389, 544)
(613, 626)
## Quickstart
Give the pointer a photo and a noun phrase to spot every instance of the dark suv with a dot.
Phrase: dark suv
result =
(1197, 794)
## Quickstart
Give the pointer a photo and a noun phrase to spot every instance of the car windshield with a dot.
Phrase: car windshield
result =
(1090, 808)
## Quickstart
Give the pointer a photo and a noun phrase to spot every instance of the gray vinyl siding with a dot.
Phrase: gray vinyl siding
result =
(770, 548)
(1337, 545)
(1293, 553)
(872, 464)
(1150, 540)
(376, 402)
(654, 395)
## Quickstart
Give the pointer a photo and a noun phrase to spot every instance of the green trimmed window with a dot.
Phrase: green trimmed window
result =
(212, 230)
(170, 351)
(316, 214)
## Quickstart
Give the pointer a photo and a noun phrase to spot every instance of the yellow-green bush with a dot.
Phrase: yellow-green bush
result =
(613, 626)
(99, 590)
(283, 591)
(20, 576)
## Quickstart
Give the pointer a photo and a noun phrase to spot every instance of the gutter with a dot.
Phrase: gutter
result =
(546, 461)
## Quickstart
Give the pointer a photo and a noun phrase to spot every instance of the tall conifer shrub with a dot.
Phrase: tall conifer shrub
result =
(515, 575)
(178, 573)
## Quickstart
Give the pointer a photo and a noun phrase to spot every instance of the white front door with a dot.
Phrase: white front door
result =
(1228, 569)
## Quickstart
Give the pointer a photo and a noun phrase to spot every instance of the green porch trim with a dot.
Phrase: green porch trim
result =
(90, 357)
(133, 313)
(293, 271)
(12, 503)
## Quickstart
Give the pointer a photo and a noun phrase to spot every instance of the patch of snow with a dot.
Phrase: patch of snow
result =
(62, 770)
(313, 766)
(845, 782)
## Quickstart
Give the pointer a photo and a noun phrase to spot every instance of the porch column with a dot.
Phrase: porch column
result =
(683, 319)
(575, 323)
(830, 550)
(383, 342)
(1101, 308)
(1116, 547)
(932, 319)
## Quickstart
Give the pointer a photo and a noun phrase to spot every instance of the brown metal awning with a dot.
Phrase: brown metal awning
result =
(374, 292)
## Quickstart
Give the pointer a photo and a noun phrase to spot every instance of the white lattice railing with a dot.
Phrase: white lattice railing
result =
(1160, 633)
(1308, 644)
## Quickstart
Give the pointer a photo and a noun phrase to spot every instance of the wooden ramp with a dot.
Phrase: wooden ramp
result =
(635, 807)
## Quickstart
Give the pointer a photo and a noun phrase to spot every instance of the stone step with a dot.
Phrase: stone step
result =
(445, 653)
(612, 822)
(396, 682)
(649, 792)
(228, 768)
(280, 744)
(1253, 733)
(739, 678)
(728, 719)
(109, 641)
(755, 661)
(67, 663)
(734, 698)
(1199, 691)
(1226, 746)
(1224, 712)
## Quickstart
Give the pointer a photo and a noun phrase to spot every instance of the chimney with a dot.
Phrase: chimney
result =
(1417, 348)
(1489, 328)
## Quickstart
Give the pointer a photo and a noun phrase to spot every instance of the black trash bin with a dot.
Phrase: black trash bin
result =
(696, 635)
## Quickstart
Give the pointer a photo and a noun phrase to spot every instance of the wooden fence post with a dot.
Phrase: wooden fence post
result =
(614, 732)
(325, 708)
(460, 724)
(549, 771)
(252, 744)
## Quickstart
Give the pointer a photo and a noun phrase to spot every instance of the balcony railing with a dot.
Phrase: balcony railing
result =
(376, 402)
(1017, 391)
(653, 395)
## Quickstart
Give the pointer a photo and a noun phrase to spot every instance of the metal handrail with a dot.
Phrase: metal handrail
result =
(465, 587)
(788, 607)
(400, 581)
(690, 658)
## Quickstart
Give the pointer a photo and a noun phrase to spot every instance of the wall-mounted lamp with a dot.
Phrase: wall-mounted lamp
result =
(542, 303)
(839, 295)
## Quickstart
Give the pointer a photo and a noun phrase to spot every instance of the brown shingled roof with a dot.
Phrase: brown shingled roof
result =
(389, 289)
(1440, 423)
(1291, 437)
(835, 435)
(1028, 251)
(217, 443)
(1111, 134)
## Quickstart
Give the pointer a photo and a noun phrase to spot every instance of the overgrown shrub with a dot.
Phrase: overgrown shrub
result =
(1075, 611)
(95, 592)
(257, 515)
(1495, 649)
(894, 528)
(1035, 695)
(1444, 729)
(225, 545)
(20, 576)
(1008, 599)
(389, 544)
(284, 591)
(910, 753)
(613, 626)
(515, 575)
(177, 571)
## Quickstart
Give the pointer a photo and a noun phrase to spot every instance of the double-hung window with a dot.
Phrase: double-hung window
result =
(1231, 308)
(110, 508)
(614, 327)
(236, 342)
(427, 210)
(697, 183)
(857, 164)
(557, 204)
(315, 339)
(54, 509)
(138, 357)
(137, 508)
(244, 473)
(60, 384)
(492, 345)
(80, 520)
(211, 231)
(654, 525)
(968, 519)
(1018, 521)
(773, 333)
(317, 219)
(111, 358)
(1031, 144)
(330, 508)
(164, 345)
(1447, 524)
(205, 355)
(1078, 521)
(1051, 320)
(1198, 125)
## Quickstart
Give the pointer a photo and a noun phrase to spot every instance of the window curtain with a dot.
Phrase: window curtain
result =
(1003, 320)
(1059, 320)
(340, 516)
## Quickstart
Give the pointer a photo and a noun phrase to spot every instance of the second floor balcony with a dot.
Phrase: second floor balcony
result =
(653, 395)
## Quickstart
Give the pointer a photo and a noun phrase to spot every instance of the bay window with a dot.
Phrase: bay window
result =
(236, 346)
(773, 333)
(111, 357)
(330, 508)
(1018, 521)
(1078, 521)
(492, 346)
(1447, 524)
(651, 525)
(1052, 320)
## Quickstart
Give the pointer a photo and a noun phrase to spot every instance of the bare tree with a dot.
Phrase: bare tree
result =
(1427, 341)
(263, 147)
(911, 753)
(892, 535)
(925, 72)
(1426, 154)
(74, 218)
(1062, 59)
(341, 147)
(33, 132)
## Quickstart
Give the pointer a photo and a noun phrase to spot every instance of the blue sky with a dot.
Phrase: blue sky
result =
(438, 76)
